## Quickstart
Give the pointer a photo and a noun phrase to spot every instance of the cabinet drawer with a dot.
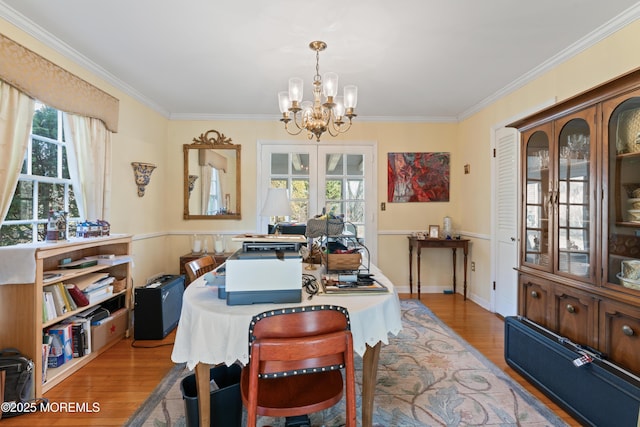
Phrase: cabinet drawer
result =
(575, 315)
(535, 299)
(620, 334)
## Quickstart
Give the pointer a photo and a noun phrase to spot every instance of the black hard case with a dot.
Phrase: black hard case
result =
(596, 394)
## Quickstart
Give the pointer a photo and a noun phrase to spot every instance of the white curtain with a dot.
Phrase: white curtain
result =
(211, 161)
(16, 114)
(90, 150)
(205, 188)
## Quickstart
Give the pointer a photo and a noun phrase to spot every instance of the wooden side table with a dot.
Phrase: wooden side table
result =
(453, 244)
(220, 258)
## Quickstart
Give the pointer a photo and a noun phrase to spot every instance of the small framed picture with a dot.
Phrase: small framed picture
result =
(434, 231)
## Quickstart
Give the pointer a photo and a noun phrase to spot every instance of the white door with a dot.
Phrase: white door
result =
(506, 222)
(338, 178)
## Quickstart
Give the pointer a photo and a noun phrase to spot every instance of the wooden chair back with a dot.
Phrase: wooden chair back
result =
(296, 357)
(200, 266)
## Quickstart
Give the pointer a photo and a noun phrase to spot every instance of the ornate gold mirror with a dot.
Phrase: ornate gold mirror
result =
(211, 177)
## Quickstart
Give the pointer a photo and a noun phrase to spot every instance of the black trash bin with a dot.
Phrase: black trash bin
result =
(226, 402)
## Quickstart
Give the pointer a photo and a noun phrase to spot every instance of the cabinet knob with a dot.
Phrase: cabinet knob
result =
(534, 294)
(626, 329)
(570, 308)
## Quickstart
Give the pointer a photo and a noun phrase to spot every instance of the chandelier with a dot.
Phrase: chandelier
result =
(317, 117)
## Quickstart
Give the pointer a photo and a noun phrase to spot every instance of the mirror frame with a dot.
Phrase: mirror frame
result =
(205, 142)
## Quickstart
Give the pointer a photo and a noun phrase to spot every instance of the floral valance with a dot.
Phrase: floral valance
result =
(54, 86)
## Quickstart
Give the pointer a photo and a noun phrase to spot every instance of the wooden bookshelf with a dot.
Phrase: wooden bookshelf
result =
(21, 309)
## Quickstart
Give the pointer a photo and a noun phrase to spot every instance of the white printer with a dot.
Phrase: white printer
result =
(268, 269)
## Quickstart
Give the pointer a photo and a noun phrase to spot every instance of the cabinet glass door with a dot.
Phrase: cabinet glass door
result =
(622, 254)
(536, 245)
(572, 198)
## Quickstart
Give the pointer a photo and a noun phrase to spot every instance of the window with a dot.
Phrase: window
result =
(44, 184)
(344, 189)
(291, 171)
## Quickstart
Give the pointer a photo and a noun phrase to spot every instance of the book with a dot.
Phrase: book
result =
(77, 339)
(99, 294)
(60, 307)
(77, 295)
(94, 313)
(83, 326)
(87, 280)
(48, 307)
(81, 263)
(100, 284)
(50, 277)
(46, 349)
(68, 301)
(110, 259)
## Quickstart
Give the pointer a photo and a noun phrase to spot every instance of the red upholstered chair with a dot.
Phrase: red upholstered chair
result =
(200, 266)
(295, 361)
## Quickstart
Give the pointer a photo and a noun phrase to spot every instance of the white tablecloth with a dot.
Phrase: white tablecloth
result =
(210, 331)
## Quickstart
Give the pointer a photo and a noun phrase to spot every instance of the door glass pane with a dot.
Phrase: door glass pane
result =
(299, 197)
(355, 164)
(279, 164)
(291, 171)
(299, 164)
(334, 164)
(355, 189)
(623, 249)
(574, 144)
(537, 200)
(345, 190)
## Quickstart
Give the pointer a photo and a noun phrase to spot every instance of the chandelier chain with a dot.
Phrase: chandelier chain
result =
(317, 77)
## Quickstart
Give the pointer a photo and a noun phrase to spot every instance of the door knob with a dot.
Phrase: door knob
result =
(626, 329)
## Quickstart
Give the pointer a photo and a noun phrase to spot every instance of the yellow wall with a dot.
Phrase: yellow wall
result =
(161, 235)
(394, 223)
(142, 136)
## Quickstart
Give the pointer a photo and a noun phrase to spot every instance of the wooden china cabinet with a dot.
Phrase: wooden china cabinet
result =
(580, 162)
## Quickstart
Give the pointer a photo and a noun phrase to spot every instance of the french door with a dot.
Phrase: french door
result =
(323, 178)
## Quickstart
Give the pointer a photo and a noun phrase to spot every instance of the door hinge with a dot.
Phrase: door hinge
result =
(494, 152)
(494, 285)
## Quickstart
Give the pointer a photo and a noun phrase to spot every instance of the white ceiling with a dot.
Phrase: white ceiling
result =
(417, 60)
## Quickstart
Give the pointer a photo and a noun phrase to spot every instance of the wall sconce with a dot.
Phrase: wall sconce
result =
(142, 174)
(192, 181)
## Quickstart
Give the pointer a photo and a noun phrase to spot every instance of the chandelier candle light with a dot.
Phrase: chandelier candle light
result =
(317, 117)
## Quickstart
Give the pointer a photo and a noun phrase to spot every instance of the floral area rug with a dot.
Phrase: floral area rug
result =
(427, 376)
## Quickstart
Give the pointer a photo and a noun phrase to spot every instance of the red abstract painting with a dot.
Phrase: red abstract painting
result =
(418, 177)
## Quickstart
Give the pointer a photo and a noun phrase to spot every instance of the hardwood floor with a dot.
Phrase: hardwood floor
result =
(122, 378)
(484, 331)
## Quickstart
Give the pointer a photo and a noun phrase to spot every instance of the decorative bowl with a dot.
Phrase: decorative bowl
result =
(634, 203)
(632, 189)
(634, 215)
(631, 269)
(628, 283)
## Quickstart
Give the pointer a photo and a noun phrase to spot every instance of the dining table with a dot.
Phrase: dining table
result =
(210, 332)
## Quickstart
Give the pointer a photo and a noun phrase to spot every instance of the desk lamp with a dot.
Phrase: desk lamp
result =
(276, 205)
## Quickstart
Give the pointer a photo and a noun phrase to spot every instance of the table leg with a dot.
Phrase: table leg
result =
(410, 268)
(465, 250)
(454, 270)
(202, 385)
(369, 374)
(418, 262)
